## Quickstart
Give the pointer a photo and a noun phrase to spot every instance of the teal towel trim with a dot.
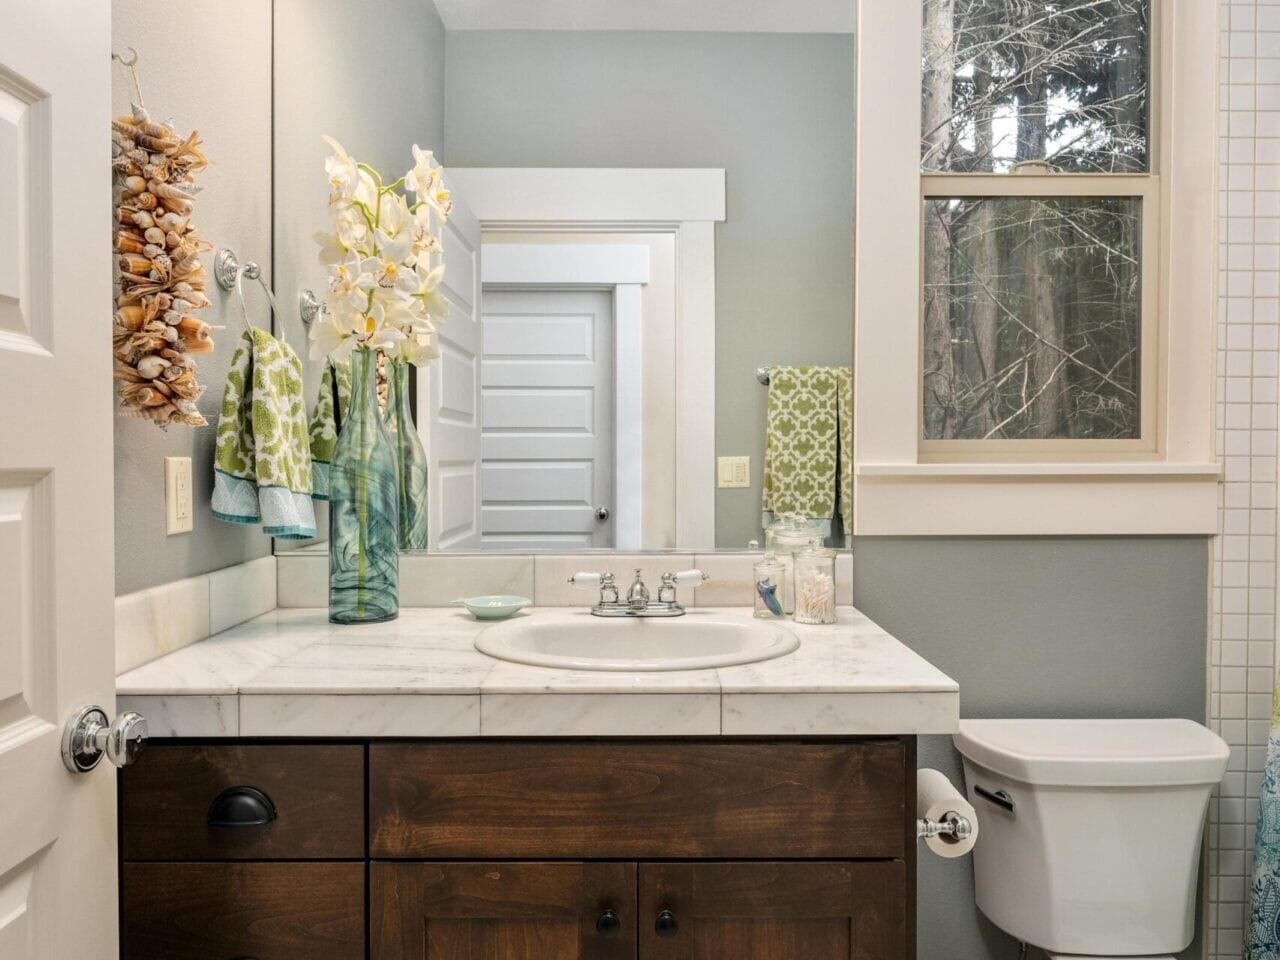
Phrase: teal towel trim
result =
(290, 533)
(228, 518)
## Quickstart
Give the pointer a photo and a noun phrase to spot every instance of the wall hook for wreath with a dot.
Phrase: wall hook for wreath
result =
(132, 64)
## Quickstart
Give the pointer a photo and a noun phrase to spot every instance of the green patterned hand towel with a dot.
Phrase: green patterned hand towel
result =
(262, 473)
(326, 421)
(844, 413)
(801, 440)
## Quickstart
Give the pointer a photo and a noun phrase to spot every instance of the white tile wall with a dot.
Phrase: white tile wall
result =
(1242, 646)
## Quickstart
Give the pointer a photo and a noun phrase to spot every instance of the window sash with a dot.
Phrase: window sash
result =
(1150, 444)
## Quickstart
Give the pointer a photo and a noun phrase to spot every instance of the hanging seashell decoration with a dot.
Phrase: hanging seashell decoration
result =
(159, 275)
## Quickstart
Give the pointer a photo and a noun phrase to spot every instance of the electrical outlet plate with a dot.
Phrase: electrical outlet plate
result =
(177, 494)
(733, 472)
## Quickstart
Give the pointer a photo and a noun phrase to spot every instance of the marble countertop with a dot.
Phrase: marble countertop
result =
(291, 673)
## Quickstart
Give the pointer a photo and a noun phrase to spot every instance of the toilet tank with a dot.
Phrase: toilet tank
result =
(1090, 829)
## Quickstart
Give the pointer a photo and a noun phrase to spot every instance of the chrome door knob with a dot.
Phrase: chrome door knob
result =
(88, 737)
(602, 513)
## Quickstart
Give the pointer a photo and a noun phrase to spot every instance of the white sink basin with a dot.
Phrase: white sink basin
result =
(579, 641)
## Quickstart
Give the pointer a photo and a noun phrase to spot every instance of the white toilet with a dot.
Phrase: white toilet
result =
(1090, 830)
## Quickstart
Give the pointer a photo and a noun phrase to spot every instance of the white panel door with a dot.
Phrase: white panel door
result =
(548, 384)
(57, 829)
(449, 395)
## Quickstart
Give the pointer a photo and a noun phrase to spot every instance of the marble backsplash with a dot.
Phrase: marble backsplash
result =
(160, 620)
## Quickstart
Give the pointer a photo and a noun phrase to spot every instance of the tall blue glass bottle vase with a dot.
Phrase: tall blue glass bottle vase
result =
(411, 459)
(364, 548)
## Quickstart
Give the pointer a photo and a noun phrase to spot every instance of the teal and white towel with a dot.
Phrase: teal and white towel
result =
(326, 421)
(262, 465)
(1263, 935)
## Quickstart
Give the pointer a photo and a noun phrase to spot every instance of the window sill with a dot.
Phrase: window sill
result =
(1036, 499)
(1078, 469)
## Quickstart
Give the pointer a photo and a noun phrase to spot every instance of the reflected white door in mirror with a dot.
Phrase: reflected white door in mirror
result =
(547, 411)
(596, 413)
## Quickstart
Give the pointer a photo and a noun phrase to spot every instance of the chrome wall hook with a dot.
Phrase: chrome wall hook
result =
(309, 307)
(226, 268)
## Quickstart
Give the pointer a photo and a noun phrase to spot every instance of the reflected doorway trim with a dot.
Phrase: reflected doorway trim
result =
(685, 202)
(623, 269)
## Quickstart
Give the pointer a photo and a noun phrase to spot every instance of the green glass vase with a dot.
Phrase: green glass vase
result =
(411, 458)
(364, 540)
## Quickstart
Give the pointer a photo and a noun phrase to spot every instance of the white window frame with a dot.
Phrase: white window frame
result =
(1165, 483)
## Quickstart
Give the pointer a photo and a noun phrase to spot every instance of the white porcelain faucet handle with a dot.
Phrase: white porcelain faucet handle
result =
(691, 578)
(586, 581)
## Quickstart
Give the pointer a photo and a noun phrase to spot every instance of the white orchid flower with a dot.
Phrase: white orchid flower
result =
(342, 170)
(383, 292)
(347, 281)
(394, 217)
(428, 289)
(425, 242)
(332, 249)
(349, 225)
(388, 268)
(425, 175)
(438, 199)
(419, 349)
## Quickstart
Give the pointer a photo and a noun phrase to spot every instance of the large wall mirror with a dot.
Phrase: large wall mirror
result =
(652, 218)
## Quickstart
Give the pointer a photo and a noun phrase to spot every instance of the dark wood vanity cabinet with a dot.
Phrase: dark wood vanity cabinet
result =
(520, 849)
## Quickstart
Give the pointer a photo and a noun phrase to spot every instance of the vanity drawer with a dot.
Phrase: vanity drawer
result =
(264, 911)
(637, 800)
(207, 802)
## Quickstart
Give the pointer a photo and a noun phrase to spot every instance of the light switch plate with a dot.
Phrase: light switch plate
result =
(177, 494)
(733, 472)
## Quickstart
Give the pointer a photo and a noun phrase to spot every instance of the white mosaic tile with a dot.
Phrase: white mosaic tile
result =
(1242, 646)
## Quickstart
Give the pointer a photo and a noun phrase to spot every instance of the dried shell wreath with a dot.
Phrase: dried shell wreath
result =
(161, 280)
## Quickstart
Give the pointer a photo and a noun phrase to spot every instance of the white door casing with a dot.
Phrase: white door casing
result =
(547, 395)
(57, 829)
(686, 203)
(449, 394)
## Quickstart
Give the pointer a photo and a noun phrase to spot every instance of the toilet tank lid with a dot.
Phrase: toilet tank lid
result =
(1096, 753)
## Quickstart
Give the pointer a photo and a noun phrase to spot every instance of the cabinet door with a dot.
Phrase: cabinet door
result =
(774, 911)
(513, 911)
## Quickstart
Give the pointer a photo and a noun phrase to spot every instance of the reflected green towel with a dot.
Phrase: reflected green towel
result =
(801, 443)
(844, 413)
(331, 408)
(262, 471)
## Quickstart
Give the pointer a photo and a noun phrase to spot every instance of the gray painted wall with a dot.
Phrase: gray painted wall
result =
(377, 91)
(776, 111)
(1037, 627)
(208, 66)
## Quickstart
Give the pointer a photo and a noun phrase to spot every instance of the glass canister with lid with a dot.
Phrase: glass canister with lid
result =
(767, 573)
(785, 538)
(815, 585)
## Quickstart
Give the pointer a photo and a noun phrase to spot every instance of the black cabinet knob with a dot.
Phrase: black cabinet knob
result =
(608, 924)
(666, 925)
(241, 807)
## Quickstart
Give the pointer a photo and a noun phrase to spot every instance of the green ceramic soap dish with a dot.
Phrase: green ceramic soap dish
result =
(493, 608)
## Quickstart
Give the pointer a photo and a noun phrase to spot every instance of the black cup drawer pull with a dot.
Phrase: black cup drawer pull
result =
(241, 807)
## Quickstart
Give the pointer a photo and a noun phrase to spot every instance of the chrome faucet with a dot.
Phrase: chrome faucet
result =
(638, 602)
(638, 594)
